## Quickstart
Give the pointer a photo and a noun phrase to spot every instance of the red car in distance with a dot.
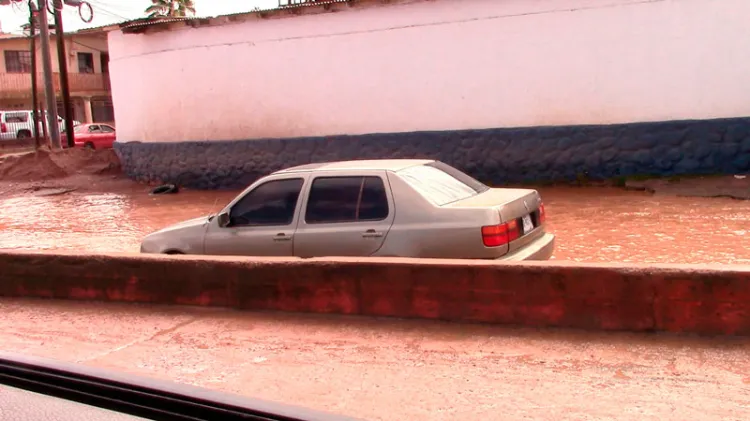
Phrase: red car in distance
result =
(92, 136)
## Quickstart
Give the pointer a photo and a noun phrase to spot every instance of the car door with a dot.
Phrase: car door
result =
(93, 135)
(5, 133)
(261, 221)
(107, 136)
(345, 215)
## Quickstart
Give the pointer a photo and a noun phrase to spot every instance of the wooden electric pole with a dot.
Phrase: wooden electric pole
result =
(49, 88)
(62, 59)
(34, 90)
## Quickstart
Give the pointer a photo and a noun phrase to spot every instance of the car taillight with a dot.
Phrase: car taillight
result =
(542, 213)
(4, 128)
(499, 235)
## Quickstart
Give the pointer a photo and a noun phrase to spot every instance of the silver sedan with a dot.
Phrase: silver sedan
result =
(379, 208)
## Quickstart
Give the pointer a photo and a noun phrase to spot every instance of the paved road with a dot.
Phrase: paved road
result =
(397, 370)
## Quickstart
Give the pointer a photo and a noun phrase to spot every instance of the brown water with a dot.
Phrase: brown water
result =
(592, 224)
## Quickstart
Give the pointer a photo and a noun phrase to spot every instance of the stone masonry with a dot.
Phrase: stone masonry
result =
(495, 156)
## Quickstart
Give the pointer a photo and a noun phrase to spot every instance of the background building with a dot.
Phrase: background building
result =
(88, 67)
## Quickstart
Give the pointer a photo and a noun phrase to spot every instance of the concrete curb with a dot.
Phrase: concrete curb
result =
(681, 298)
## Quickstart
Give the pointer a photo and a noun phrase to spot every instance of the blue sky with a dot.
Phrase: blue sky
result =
(111, 11)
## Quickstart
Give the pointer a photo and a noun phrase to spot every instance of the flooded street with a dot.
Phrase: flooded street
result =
(592, 224)
(614, 225)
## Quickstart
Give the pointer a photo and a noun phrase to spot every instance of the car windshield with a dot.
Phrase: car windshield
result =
(440, 183)
(78, 129)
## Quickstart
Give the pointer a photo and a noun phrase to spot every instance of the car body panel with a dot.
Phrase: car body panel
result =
(421, 229)
(511, 204)
(255, 240)
(540, 247)
(355, 238)
(186, 237)
(357, 165)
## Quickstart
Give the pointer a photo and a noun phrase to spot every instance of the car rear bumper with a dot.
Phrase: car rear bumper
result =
(539, 249)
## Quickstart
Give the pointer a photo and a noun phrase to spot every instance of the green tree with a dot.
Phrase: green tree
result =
(171, 8)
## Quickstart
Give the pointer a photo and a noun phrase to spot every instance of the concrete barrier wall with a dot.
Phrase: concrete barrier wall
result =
(696, 299)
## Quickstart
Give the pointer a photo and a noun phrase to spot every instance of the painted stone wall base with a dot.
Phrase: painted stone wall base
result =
(496, 156)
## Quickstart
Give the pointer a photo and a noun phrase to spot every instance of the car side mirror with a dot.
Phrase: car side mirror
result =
(223, 219)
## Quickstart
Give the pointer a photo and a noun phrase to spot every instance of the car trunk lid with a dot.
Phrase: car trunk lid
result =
(524, 206)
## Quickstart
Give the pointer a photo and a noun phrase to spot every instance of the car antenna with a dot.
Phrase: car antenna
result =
(211, 216)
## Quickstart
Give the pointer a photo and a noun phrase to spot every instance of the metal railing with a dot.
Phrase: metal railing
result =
(283, 3)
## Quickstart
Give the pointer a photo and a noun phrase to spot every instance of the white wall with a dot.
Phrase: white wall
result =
(433, 65)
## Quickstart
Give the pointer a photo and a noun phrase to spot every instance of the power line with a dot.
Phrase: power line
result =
(98, 6)
(88, 46)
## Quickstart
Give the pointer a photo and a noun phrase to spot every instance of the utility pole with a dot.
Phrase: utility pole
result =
(49, 87)
(62, 59)
(34, 90)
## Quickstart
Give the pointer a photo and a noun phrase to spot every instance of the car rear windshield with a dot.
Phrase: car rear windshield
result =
(440, 183)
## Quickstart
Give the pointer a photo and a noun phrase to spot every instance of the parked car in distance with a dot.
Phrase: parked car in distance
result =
(19, 124)
(379, 208)
(93, 136)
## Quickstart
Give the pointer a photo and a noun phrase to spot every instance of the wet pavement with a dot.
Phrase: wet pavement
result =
(394, 369)
(592, 224)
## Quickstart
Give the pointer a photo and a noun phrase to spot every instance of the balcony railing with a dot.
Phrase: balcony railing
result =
(18, 85)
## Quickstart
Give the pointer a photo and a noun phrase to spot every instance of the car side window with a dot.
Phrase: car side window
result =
(272, 203)
(346, 199)
(107, 129)
(94, 129)
(374, 203)
(16, 118)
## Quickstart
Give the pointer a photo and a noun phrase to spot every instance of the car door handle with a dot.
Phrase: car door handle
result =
(282, 237)
(371, 234)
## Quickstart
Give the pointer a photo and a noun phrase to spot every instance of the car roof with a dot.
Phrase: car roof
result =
(365, 164)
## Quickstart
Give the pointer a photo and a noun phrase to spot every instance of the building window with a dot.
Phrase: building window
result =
(102, 110)
(105, 62)
(85, 63)
(18, 61)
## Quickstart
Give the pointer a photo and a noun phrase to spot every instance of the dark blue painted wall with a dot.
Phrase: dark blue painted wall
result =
(498, 156)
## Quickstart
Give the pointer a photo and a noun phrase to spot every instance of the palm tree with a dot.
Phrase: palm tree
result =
(171, 8)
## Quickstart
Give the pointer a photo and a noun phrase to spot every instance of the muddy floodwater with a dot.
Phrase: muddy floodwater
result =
(591, 224)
